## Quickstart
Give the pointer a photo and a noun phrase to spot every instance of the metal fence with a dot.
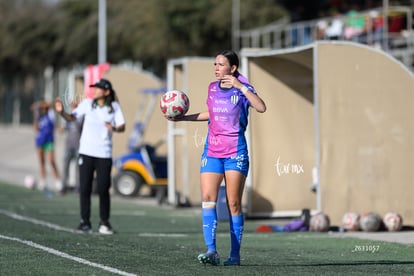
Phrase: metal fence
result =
(395, 36)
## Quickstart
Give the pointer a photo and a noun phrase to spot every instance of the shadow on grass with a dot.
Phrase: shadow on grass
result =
(355, 263)
(378, 262)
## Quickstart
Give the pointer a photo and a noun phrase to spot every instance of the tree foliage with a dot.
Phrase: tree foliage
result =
(35, 34)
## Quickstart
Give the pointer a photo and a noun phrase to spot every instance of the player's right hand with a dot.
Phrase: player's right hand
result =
(58, 105)
(175, 119)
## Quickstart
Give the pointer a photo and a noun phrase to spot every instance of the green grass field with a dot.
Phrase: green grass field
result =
(37, 238)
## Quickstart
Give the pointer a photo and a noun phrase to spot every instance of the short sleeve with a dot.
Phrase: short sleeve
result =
(118, 114)
(82, 108)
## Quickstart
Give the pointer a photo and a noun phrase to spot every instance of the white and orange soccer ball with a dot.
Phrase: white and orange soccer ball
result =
(350, 221)
(393, 221)
(174, 103)
(370, 222)
(319, 222)
(29, 182)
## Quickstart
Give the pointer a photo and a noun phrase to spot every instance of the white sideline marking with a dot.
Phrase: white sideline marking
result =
(60, 228)
(67, 256)
(39, 222)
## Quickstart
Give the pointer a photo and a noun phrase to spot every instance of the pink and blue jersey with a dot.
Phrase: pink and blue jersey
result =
(229, 111)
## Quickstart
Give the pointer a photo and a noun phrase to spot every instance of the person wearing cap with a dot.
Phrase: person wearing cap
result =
(102, 116)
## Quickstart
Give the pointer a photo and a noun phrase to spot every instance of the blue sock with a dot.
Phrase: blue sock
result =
(209, 228)
(236, 233)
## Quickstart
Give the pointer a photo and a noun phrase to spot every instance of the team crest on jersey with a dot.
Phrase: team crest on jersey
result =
(234, 99)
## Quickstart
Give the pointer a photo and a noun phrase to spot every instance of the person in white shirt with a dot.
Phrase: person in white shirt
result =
(336, 28)
(102, 116)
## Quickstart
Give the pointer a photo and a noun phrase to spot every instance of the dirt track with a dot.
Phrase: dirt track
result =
(18, 154)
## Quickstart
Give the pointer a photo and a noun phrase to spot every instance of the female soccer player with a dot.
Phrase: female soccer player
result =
(101, 116)
(44, 124)
(225, 154)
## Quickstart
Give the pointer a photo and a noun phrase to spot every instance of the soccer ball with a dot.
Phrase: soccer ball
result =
(319, 222)
(350, 221)
(370, 222)
(393, 221)
(174, 103)
(29, 182)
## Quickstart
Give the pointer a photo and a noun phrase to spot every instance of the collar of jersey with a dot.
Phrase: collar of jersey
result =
(97, 105)
(224, 88)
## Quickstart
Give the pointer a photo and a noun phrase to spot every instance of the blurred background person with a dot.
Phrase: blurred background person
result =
(73, 131)
(44, 125)
(335, 29)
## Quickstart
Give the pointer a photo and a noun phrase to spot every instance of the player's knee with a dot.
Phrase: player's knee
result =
(208, 198)
(234, 206)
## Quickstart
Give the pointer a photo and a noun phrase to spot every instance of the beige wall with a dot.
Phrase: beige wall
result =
(192, 76)
(284, 132)
(367, 132)
(128, 85)
(365, 129)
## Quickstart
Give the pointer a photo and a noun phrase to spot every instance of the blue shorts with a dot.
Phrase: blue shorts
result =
(238, 163)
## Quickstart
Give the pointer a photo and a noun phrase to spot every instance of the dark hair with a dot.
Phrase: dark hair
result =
(233, 59)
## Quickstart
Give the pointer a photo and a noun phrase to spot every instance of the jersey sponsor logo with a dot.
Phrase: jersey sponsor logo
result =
(220, 118)
(221, 101)
(220, 110)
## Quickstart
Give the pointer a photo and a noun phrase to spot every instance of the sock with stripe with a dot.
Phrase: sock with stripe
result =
(209, 217)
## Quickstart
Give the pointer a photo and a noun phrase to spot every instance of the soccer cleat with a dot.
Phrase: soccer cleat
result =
(209, 258)
(58, 185)
(41, 184)
(105, 228)
(231, 261)
(85, 227)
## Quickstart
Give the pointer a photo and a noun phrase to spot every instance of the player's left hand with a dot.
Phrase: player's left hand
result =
(230, 81)
(109, 126)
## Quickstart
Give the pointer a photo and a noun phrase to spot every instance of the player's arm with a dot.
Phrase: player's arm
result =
(59, 109)
(120, 128)
(255, 101)
(119, 124)
(202, 116)
(35, 108)
(36, 121)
